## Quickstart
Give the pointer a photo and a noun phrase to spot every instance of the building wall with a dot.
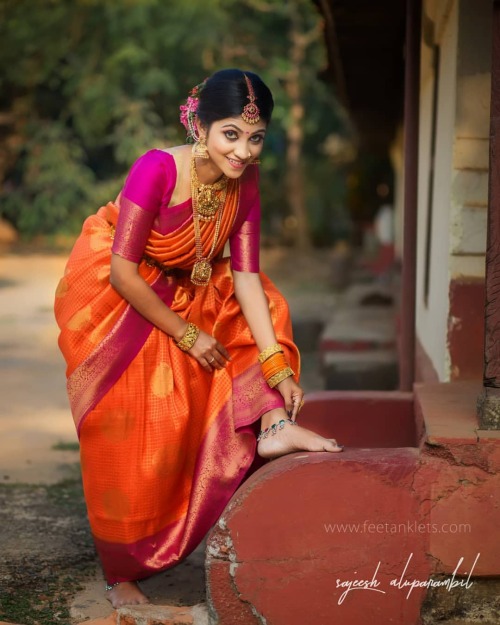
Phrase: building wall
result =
(450, 303)
(434, 203)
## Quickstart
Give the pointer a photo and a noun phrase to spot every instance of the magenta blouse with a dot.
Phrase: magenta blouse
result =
(144, 206)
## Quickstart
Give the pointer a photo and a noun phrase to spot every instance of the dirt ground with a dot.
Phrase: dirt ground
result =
(48, 569)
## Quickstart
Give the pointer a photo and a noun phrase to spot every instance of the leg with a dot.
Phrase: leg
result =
(126, 593)
(291, 438)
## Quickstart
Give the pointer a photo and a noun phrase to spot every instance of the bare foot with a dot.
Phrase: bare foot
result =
(291, 438)
(126, 593)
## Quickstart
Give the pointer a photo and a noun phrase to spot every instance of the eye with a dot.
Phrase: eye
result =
(231, 135)
(257, 138)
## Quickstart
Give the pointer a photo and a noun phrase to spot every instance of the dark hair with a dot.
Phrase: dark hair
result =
(225, 94)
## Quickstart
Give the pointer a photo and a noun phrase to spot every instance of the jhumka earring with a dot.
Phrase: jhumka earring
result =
(200, 149)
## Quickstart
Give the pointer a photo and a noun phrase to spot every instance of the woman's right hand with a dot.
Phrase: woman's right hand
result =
(209, 352)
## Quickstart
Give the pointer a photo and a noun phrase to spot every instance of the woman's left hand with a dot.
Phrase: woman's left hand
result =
(293, 396)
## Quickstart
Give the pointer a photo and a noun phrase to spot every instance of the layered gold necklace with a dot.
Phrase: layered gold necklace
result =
(207, 197)
(208, 204)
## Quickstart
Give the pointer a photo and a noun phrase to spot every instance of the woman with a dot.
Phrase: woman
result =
(175, 354)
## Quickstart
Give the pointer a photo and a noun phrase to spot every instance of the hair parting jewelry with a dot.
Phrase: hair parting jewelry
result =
(251, 112)
(189, 338)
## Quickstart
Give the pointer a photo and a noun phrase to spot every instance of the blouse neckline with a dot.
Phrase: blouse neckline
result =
(174, 166)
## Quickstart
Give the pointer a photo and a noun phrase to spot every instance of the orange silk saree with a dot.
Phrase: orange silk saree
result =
(164, 444)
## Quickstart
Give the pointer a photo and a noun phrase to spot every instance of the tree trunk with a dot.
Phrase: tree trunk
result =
(295, 132)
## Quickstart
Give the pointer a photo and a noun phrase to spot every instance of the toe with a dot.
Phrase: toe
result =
(332, 445)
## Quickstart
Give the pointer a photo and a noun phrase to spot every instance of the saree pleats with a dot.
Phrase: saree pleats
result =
(164, 444)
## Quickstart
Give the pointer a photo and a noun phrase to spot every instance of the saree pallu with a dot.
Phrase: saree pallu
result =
(163, 443)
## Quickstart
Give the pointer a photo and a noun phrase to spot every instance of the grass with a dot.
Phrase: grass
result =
(48, 556)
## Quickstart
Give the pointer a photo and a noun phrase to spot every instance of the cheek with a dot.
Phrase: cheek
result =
(256, 147)
(221, 146)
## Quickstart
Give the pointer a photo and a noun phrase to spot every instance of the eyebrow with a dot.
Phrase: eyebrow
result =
(240, 130)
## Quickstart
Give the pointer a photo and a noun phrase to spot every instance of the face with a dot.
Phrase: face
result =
(233, 144)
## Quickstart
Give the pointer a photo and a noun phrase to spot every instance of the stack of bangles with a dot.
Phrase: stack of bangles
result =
(274, 366)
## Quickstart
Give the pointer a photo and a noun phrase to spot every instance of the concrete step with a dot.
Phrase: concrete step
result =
(357, 329)
(370, 369)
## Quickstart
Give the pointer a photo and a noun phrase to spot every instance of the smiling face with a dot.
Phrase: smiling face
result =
(233, 145)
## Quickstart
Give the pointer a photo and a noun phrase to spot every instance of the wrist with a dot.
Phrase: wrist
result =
(189, 338)
(180, 331)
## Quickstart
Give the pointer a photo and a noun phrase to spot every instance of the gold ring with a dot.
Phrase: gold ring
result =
(211, 361)
(300, 405)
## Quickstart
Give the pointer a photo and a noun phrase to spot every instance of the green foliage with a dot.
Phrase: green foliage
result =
(88, 86)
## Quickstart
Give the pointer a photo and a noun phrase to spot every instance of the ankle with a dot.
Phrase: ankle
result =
(274, 428)
(273, 416)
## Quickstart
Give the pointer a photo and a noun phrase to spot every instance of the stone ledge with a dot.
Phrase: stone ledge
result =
(448, 410)
(154, 615)
(151, 615)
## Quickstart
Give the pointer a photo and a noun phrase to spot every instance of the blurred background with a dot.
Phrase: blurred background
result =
(86, 87)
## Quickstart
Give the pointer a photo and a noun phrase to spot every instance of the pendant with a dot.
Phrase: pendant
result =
(208, 202)
(202, 270)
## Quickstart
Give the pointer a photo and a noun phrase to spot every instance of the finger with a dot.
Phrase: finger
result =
(223, 351)
(216, 361)
(205, 364)
(296, 406)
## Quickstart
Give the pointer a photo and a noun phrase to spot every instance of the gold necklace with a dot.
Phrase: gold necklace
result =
(202, 268)
(209, 197)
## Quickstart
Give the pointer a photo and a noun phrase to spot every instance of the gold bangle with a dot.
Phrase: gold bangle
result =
(279, 377)
(189, 338)
(269, 351)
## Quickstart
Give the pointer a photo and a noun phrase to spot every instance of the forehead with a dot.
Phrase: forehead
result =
(240, 125)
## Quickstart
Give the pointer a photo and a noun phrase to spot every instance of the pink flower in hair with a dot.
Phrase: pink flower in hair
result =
(188, 110)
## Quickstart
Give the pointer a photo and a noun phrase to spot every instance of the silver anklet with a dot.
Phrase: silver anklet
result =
(111, 586)
(274, 428)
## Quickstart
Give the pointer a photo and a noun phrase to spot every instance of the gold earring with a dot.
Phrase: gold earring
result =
(200, 149)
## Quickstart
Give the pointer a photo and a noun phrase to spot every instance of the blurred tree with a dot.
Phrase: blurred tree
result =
(283, 39)
(87, 86)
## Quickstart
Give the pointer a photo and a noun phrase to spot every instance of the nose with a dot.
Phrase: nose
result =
(242, 151)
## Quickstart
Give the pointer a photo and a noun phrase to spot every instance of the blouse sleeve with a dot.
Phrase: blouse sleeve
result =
(140, 202)
(244, 243)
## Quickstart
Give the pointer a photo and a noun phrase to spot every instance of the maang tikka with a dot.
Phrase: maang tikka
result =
(251, 112)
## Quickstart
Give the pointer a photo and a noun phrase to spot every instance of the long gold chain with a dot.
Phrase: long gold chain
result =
(202, 269)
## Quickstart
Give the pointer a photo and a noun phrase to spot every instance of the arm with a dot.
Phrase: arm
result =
(125, 278)
(139, 203)
(255, 307)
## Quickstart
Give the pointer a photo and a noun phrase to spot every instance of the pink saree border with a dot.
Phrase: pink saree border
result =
(95, 376)
(213, 487)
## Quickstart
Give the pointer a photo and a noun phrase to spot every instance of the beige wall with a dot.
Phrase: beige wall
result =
(462, 28)
(432, 309)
